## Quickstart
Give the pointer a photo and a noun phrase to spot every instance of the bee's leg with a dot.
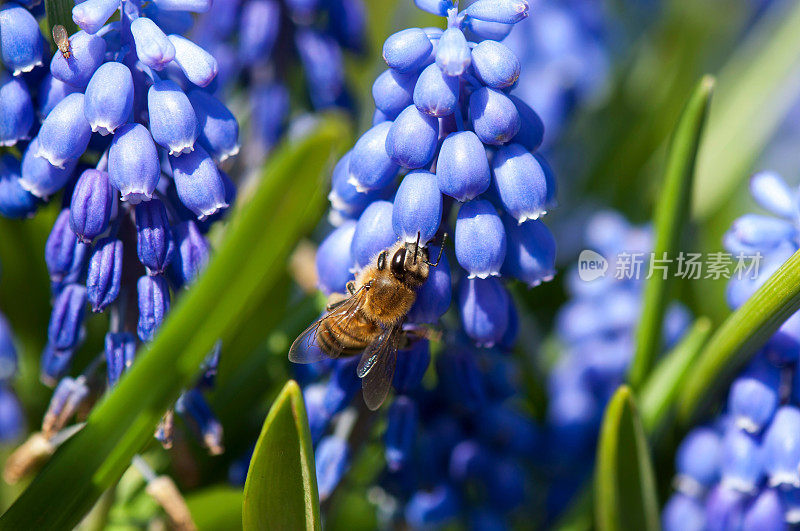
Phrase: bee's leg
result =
(423, 332)
(351, 287)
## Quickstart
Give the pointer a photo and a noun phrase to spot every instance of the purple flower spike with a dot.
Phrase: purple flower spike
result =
(120, 350)
(199, 184)
(153, 48)
(484, 310)
(495, 64)
(64, 254)
(519, 182)
(347, 21)
(109, 98)
(198, 65)
(87, 53)
(436, 93)
(433, 298)
(173, 122)
(51, 92)
(218, 128)
(332, 459)
(16, 111)
(91, 15)
(15, 201)
(20, 39)
(407, 50)
(65, 133)
(480, 239)
(494, 116)
(530, 253)
(503, 11)
(754, 396)
(781, 448)
(195, 6)
(400, 433)
(462, 169)
(259, 27)
(531, 130)
(334, 263)
(393, 91)
(64, 330)
(371, 168)
(90, 208)
(191, 253)
(417, 208)
(412, 138)
(452, 53)
(153, 295)
(105, 273)
(133, 165)
(741, 461)
(153, 236)
(373, 233)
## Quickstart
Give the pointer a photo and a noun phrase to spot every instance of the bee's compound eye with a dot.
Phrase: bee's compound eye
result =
(398, 263)
(382, 261)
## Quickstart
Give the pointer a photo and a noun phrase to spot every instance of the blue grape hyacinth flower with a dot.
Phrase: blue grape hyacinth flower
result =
(743, 467)
(126, 123)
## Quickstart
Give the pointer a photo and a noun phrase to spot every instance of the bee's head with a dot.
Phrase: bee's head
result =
(408, 262)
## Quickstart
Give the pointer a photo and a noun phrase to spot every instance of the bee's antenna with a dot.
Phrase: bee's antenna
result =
(416, 248)
(441, 250)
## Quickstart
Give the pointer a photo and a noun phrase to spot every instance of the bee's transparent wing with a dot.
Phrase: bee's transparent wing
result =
(376, 367)
(306, 349)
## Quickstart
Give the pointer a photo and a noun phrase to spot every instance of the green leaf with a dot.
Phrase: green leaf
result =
(281, 488)
(625, 492)
(248, 263)
(218, 507)
(757, 88)
(672, 213)
(742, 333)
(659, 393)
(60, 12)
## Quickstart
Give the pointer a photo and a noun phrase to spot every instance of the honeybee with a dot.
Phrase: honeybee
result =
(61, 39)
(369, 318)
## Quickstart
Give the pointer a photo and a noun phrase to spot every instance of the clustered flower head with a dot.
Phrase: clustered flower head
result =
(742, 470)
(125, 124)
(447, 122)
(597, 328)
(261, 43)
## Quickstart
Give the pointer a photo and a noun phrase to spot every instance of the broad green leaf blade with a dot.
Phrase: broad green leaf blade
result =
(757, 88)
(252, 258)
(659, 393)
(624, 488)
(742, 333)
(218, 507)
(60, 12)
(671, 215)
(281, 488)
